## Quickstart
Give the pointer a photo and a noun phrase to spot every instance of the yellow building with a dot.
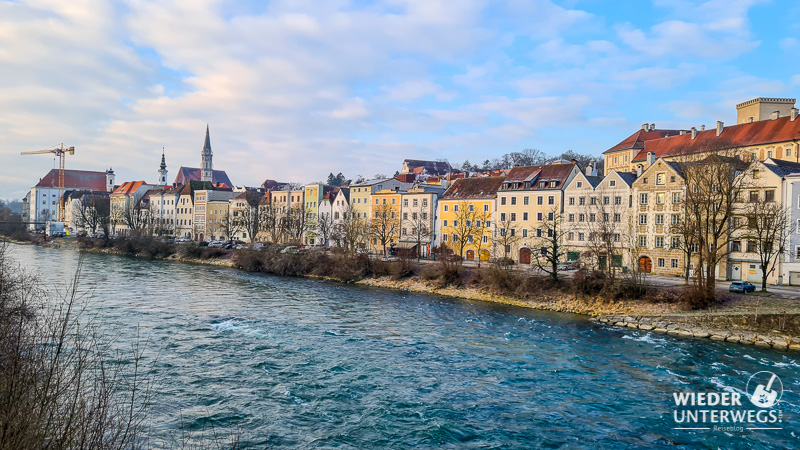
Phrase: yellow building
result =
(361, 191)
(384, 219)
(530, 198)
(466, 217)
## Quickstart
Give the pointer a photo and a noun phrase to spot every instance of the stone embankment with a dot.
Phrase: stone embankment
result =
(772, 340)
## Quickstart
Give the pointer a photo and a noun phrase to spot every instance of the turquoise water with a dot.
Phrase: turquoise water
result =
(301, 363)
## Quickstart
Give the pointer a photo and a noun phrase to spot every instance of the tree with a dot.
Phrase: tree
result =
(713, 185)
(10, 221)
(137, 218)
(251, 216)
(350, 233)
(549, 236)
(379, 176)
(768, 227)
(90, 212)
(505, 235)
(421, 226)
(605, 228)
(685, 233)
(481, 224)
(230, 224)
(462, 225)
(270, 219)
(324, 228)
(336, 180)
(383, 225)
(294, 223)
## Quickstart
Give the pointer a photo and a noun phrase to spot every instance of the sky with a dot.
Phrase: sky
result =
(293, 90)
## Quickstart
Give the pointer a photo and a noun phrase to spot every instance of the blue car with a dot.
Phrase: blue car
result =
(742, 287)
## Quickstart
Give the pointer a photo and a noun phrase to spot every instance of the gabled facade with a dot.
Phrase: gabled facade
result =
(418, 220)
(473, 200)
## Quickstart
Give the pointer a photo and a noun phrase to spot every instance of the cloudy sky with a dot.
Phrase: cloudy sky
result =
(295, 89)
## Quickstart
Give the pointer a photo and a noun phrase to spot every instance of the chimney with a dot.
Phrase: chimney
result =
(719, 127)
(775, 115)
(694, 133)
(652, 126)
(644, 126)
(702, 127)
(590, 169)
(794, 114)
(651, 158)
(682, 132)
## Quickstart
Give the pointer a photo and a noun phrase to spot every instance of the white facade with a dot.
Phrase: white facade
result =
(791, 262)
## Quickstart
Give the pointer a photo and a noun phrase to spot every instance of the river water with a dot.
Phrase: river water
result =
(302, 363)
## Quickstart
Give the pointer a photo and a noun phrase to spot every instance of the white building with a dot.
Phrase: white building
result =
(41, 202)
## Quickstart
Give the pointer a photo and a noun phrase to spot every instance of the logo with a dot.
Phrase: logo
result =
(728, 411)
(764, 396)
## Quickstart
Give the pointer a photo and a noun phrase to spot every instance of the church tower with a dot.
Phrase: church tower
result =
(162, 170)
(208, 171)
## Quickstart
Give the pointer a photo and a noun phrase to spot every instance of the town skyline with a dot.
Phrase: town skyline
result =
(278, 84)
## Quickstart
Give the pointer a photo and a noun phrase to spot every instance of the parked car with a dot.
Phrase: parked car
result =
(202, 244)
(742, 287)
(182, 239)
(218, 244)
(290, 249)
(257, 246)
(565, 266)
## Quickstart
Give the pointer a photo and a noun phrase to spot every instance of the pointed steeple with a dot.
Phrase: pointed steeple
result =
(163, 162)
(208, 168)
(162, 170)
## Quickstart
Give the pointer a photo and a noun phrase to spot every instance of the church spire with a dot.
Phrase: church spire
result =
(162, 170)
(208, 168)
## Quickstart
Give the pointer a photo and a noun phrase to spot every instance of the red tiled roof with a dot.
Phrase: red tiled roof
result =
(473, 188)
(75, 179)
(549, 172)
(742, 135)
(128, 187)
(638, 139)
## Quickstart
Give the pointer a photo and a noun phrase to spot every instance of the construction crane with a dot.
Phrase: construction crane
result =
(60, 153)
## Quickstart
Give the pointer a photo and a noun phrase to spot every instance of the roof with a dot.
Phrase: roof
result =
(782, 168)
(430, 167)
(272, 184)
(473, 188)
(371, 182)
(129, 188)
(186, 174)
(637, 140)
(75, 179)
(346, 192)
(593, 180)
(547, 172)
(734, 136)
(627, 177)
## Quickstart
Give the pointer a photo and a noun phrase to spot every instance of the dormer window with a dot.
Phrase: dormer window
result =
(542, 184)
(553, 183)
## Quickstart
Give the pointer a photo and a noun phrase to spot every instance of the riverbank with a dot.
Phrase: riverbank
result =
(752, 320)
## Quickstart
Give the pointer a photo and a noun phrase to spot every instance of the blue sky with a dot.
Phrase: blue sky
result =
(293, 90)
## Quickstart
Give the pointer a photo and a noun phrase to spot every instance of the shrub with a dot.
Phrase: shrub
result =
(249, 260)
(380, 268)
(403, 268)
(21, 236)
(191, 250)
(589, 282)
(212, 252)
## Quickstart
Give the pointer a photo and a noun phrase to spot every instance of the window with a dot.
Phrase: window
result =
(593, 200)
(676, 242)
(676, 219)
(524, 232)
(502, 217)
(612, 183)
(513, 217)
(424, 202)
(539, 200)
(572, 201)
(525, 216)
(642, 241)
(659, 219)
(513, 200)
(469, 238)
(661, 178)
(553, 184)
(477, 224)
(582, 201)
(445, 208)
(676, 197)
(581, 236)
(579, 184)
(416, 202)
(485, 239)
(661, 197)
(542, 184)
(661, 262)
(769, 196)
(405, 216)
(753, 196)
(471, 208)
(502, 200)
(405, 231)
(673, 263)
(642, 219)
(751, 246)
(550, 216)
(606, 200)
(455, 208)
(513, 232)
(455, 223)
(571, 236)
(551, 200)
(592, 217)
(581, 217)
(736, 246)
(455, 237)
(617, 200)
(659, 242)
(444, 238)
(617, 217)
(616, 237)
(572, 218)
(525, 200)
(643, 199)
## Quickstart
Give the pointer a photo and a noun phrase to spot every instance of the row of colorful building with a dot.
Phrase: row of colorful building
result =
(635, 201)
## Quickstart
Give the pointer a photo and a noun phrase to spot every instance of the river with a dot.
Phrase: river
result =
(303, 363)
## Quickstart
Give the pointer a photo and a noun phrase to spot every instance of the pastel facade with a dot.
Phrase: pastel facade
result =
(418, 220)
(470, 199)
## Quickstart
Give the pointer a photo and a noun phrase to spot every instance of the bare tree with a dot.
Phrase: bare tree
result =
(421, 226)
(383, 225)
(684, 231)
(550, 252)
(91, 211)
(605, 228)
(350, 233)
(251, 216)
(137, 218)
(294, 224)
(230, 224)
(505, 236)
(325, 225)
(462, 227)
(713, 184)
(481, 224)
(768, 227)
(270, 216)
